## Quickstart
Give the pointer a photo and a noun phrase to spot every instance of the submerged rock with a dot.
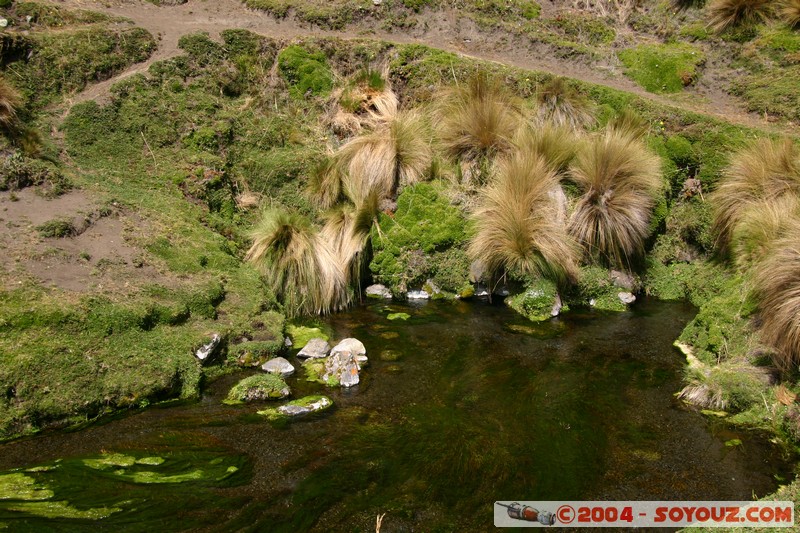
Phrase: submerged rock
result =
(297, 408)
(279, 366)
(341, 368)
(379, 291)
(316, 348)
(540, 302)
(258, 387)
(207, 351)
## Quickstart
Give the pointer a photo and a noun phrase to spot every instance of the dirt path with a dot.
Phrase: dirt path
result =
(446, 30)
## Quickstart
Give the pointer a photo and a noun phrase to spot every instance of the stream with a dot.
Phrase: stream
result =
(461, 405)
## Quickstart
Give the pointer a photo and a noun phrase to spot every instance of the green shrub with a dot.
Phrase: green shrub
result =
(56, 229)
(305, 72)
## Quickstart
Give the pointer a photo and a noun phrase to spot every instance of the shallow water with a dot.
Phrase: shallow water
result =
(473, 404)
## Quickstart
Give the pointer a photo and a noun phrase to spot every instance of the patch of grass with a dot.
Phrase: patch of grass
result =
(583, 28)
(663, 68)
(306, 72)
(56, 229)
(66, 61)
(258, 387)
(772, 92)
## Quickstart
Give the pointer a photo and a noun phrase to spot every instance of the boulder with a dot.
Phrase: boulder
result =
(354, 346)
(279, 366)
(431, 288)
(342, 368)
(622, 280)
(539, 302)
(379, 291)
(207, 351)
(315, 348)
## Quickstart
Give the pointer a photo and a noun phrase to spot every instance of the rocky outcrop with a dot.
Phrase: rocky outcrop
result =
(379, 291)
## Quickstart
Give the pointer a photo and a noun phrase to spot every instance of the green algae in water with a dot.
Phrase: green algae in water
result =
(300, 335)
(150, 461)
(398, 316)
(62, 509)
(106, 461)
(21, 487)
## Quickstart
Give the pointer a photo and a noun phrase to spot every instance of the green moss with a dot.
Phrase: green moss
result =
(61, 509)
(258, 387)
(663, 68)
(424, 224)
(300, 335)
(274, 415)
(306, 72)
(107, 461)
(314, 369)
(774, 92)
(18, 486)
(398, 316)
(595, 289)
(536, 303)
(252, 352)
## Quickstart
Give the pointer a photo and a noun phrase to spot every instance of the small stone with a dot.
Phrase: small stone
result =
(626, 298)
(3, 22)
(377, 2)
(557, 306)
(206, 351)
(316, 348)
(379, 291)
(288, 342)
(342, 367)
(279, 366)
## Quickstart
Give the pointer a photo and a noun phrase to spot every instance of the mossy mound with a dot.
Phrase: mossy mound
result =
(258, 387)
(537, 302)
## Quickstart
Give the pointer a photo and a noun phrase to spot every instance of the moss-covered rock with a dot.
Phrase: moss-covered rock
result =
(297, 408)
(253, 353)
(258, 387)
(596, 289)
(540, 301)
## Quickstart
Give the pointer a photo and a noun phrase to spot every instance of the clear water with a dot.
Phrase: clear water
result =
(476, 405)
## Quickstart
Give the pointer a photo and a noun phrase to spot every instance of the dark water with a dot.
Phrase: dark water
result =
(479, 405)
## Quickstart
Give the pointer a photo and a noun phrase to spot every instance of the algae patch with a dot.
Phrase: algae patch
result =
(21, 487)
(62, 509)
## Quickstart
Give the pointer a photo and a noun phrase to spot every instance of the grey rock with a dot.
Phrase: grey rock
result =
(352, 345)
(343, 367)
(502, 291)
(316, 348)
(288, 342)
(557, 305)
(623, 280)
(279, 366)
(477, 271)
(431, 288)
(626, 297)
(298, 409)
(379, 291)
(207, 351)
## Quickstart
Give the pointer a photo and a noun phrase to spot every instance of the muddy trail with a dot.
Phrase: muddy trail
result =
(444, 29)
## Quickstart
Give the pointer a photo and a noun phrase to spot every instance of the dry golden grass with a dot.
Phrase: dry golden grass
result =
(517, 227)
(301, 268)
(399, 153)
(777, 286)
(763, 172)
(478, 120)
(790, 13)
(557, 145)
(563, 105)
(629, 123)
(620, 180)
(760, 226)
(10, 100)
(725, 14)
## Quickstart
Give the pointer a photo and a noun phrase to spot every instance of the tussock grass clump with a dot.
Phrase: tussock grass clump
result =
(347, 231)
(629, 123)
(790, 13)
(725, 14)
(620, 180)
(397, 154)
(10, 100)
(563, 105)
(777, 286)
(301, 268)
(760, 226)
(517, 227)
(478, 120)
(763, 172)
(556, 144)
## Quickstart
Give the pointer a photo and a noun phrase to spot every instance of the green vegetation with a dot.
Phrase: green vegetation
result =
(663, 68)
(258, 387)
(306, 73)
